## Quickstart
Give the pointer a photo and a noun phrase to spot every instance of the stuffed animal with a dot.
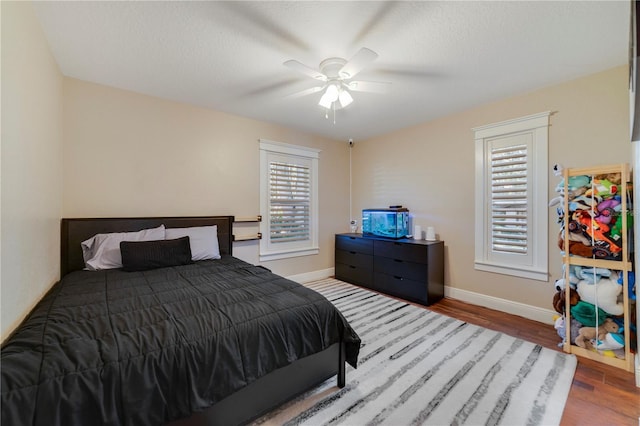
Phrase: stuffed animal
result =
(603, 188)
(559, 285)
(577, 185)
(611, 341)
(587, 314)
(586, 334)
(560, 297)
(585, 202)
(572, 194)
(615, 234)
(631, 284)
(558, 169)
(605, 293)
(611, 177)
(607, 210)
(590, 275)
(604, 247)
(576, 248)
(559, 325)
(576, 233)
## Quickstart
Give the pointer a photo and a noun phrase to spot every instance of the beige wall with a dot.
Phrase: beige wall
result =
(135, 155)
(31, 164)
(430, 169)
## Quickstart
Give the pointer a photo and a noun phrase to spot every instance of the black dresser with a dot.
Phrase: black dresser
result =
(406, 268)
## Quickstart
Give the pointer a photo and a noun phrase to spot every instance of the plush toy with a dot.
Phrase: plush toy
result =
(575, 182)
(576, 233)
(603, 188)
(559, 325)
(585, 202)
(586, 334)
(587, 314)
(580, 273)
(572, 194)
(631, 284)
(611, 177)
(604, 247)
(576, 248)
(559, 285)
(576, 185)
(611, 341)
(558, 169)
(590, 275)
(607, 210)
(605, 292)
(583, 217)
(615, 234)
(559, 299)
(575, 190)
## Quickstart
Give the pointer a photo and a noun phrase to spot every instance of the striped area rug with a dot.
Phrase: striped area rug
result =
(420, 367)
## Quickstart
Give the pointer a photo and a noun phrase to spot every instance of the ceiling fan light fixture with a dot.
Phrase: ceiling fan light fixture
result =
(329, 97)
(345, 98)
(325, 101)
(337, 74)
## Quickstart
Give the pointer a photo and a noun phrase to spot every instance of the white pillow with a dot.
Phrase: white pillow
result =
(203, 240)
(102, 251)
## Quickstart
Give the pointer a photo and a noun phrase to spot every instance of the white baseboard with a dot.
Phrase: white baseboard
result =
(312, 276)
(638, 374)
(527, 311)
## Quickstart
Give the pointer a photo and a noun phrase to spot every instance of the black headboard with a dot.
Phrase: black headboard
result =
(74, 231)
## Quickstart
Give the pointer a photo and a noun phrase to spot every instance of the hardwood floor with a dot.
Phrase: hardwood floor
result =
(600, 394)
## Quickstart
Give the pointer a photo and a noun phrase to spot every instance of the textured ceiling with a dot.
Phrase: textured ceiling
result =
(440, 57)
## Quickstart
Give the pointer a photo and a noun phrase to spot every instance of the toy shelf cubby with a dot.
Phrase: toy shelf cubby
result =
(602, 256)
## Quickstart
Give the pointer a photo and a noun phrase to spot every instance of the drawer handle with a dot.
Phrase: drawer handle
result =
(398, 260)
(352, 267)
(398, 278)
(352, 238)
(352, 252)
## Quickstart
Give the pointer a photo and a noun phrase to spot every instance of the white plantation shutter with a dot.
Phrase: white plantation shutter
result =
(509, 203)
(511, 212)
(288, 200)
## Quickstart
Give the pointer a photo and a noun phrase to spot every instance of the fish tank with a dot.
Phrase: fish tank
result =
(390, 223)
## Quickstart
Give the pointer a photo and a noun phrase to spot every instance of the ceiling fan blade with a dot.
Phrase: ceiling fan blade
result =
(305, 92)
(369, 86)
(360, 60)
(300, 67)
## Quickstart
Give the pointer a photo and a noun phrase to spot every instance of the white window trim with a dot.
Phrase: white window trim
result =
(267, 252)
(536, 125)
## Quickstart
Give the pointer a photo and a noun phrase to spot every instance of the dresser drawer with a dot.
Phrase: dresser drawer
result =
(396, 250)
(407, 289)
(401, 268)
(354, 258)
(354, 244)
(354, 274)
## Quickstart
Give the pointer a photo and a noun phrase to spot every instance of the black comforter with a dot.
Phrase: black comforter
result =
(114, 347)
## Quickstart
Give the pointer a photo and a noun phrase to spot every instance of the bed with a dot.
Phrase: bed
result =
(209, 342)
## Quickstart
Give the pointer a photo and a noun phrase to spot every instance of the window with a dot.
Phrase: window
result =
(288, 200)
(511, 206)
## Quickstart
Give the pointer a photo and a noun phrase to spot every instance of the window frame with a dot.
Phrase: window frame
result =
(283, 152)
(535, 129)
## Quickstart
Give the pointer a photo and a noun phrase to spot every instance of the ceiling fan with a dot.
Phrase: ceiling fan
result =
(336, 75)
